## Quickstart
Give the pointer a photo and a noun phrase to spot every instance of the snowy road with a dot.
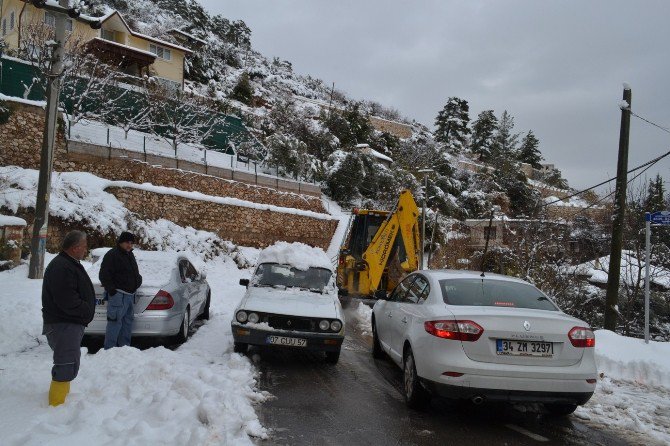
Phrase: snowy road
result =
(359, 401)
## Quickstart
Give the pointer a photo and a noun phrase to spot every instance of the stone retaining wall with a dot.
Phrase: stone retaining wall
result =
(243, 226)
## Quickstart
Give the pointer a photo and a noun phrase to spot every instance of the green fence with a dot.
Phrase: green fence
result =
(17, 77)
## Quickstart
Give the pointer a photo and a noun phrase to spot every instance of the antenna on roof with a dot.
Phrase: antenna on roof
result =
(488, 236)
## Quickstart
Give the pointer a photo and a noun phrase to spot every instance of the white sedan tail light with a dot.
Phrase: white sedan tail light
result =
(582, 337)
(468, 331)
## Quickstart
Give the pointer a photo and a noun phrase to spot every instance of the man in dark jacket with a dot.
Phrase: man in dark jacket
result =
(120, 277)
(68, 305)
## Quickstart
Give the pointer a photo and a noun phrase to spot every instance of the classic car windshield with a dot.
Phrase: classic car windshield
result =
(274, 274)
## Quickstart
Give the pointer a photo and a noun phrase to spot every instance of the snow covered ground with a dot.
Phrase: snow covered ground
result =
(200, 393)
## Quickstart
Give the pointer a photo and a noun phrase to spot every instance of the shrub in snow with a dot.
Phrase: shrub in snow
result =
(5, 112)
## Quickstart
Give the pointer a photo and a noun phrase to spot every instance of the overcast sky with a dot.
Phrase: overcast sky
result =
(556, 66)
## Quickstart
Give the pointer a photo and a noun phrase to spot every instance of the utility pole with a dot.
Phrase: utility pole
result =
(425, 173)
(41, 221)
(614, 274)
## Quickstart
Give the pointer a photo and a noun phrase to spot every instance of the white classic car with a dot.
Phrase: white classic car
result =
(291, 301)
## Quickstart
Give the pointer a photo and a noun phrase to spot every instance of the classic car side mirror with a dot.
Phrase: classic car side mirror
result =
(244, 282)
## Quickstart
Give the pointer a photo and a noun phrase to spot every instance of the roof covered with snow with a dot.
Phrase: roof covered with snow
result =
(297, 255)
(632, 268)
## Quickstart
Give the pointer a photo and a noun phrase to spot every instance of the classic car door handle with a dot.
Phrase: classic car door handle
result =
(403, 320)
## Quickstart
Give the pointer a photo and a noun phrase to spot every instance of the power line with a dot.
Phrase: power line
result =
(665, 129)
(648, 163)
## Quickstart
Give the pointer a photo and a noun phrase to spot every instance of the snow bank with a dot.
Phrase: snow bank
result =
(298, 255)
(634, 387)
(631, 359)
(8, 220)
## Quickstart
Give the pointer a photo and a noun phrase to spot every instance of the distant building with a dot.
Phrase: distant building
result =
(380, 157)
(134, 53)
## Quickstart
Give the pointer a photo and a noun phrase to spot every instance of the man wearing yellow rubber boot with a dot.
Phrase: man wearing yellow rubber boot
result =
(68, 305)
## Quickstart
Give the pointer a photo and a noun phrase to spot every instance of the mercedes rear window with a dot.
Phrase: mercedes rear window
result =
(494, 293)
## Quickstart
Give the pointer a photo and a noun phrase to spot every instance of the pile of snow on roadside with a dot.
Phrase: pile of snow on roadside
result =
(634, 386)
(297, 255)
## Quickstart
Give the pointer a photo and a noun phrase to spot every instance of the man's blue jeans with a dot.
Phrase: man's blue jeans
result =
(120, 314)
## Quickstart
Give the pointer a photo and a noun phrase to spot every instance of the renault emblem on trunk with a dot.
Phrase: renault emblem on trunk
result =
(526, 325)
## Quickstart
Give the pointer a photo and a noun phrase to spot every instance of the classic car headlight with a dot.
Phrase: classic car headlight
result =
(336, 325)
(241, 316)
(253, 318)
(323, 325)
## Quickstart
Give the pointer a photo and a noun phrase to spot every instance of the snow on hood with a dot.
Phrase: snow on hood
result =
(297, 255)
(290, 301)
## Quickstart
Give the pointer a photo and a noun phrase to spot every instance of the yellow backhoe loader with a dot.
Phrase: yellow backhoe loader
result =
(379, 249)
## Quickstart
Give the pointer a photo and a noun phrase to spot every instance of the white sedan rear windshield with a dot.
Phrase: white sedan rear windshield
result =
(494, 293)
(274, 274)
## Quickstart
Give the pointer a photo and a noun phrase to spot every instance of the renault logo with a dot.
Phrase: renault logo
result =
(526, 325)
(289, 322)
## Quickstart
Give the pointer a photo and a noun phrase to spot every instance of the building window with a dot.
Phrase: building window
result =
(50, 20)
(160, 51)
(107, 34)
(4, 27)
(12, 20)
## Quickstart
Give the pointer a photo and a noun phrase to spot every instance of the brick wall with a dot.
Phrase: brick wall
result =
(243, 226)
(21, 140)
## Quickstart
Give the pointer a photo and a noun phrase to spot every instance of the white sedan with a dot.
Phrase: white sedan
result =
(464, 335)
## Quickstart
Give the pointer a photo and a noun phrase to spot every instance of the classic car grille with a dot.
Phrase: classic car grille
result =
(292, 323)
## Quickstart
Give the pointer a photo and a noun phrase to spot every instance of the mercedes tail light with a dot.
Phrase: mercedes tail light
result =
(161, 301)
(468, 331)
(582, 337)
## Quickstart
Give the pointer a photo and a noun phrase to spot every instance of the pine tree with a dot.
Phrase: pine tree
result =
(504, 141)
(243, 91)
(483, 130)
(452, 124)
(529, 152)
(655, 200)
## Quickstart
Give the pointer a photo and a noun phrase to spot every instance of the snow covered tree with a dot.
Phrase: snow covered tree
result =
(347, 174)
(483, 130)
(529, 152)
(359, 123)
(243, 91)
(452, 124)
(505, 142)
(180, 117)
(287, 154)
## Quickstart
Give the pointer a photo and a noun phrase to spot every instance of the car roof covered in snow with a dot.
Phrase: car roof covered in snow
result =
(441, 274)
(297, 255)
(155, 266)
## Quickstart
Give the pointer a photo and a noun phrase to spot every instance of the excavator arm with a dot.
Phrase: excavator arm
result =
(403, 220)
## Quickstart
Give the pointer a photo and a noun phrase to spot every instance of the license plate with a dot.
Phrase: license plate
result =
(524, 348)
(283, 340)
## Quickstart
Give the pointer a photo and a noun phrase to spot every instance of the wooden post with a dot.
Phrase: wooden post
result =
(614, 274)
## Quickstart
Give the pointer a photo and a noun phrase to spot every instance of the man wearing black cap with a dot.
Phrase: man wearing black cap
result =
(120, 277)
